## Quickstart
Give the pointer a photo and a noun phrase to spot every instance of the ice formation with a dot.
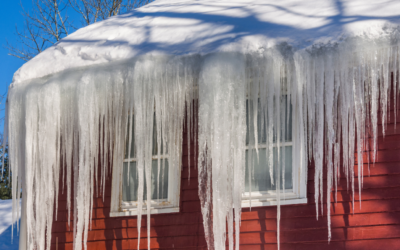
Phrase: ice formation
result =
(74, 124)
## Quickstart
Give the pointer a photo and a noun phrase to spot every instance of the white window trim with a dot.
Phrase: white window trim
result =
(296, 195)
(121, 208)
(169, 205)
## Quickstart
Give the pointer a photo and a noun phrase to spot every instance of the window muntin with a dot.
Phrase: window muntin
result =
(262, 191)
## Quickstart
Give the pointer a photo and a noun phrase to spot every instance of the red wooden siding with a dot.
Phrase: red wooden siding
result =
(375, 226)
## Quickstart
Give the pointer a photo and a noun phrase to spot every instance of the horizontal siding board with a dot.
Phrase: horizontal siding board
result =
(308, 210)
(376, 244)
(375, 169)
(315, 235)
(337, 221)
(371, 182)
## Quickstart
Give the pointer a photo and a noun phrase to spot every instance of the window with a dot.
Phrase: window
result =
(165, 181)
(262, 191)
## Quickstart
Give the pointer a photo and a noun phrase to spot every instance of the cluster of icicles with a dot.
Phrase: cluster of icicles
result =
(73, 125)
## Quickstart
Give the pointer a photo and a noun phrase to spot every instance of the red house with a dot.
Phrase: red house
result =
(259, 125)
(374, 226)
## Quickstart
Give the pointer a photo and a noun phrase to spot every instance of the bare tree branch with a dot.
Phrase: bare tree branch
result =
(48, 22)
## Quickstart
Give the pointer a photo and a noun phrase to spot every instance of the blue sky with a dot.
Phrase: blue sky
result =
(10, 16)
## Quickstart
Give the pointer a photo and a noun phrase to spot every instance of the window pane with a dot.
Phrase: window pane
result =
(133, 152)
(262, 123)
(129, 192)
(261, 180)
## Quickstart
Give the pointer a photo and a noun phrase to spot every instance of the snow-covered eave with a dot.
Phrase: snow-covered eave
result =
(187, 27)
(282, 46)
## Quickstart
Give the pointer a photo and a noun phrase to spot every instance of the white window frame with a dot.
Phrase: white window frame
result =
(161, 206)
(296, 195)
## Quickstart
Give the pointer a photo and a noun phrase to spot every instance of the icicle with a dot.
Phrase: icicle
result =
(221, 143)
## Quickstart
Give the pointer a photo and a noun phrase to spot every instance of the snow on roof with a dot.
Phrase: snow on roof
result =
(180, 27)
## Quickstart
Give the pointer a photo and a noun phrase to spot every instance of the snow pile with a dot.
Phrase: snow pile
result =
(8, 230)
(67, 120)
(6, 215)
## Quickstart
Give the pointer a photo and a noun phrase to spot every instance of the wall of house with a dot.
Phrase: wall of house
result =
(376, 225)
